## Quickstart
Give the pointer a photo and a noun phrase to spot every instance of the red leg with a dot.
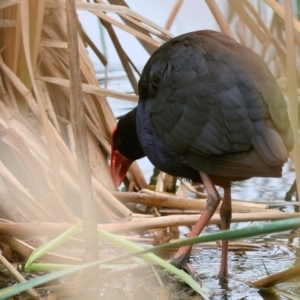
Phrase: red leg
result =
(225, 214)
(181, 258)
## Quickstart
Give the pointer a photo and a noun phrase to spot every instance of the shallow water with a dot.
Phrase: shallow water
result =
(273, 253)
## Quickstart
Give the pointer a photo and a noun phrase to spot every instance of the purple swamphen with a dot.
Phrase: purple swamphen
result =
(211, 111)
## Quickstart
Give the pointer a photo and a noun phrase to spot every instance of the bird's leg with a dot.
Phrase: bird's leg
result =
(225, 214)
(181, 258)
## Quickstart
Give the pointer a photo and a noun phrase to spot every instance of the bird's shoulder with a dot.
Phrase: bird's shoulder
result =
(177, 63)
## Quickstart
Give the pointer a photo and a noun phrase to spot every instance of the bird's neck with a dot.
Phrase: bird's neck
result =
(127, 132)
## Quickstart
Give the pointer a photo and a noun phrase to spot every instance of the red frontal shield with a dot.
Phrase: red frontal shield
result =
(119, 165)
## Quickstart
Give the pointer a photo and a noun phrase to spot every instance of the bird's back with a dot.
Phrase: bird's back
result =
(215, 104)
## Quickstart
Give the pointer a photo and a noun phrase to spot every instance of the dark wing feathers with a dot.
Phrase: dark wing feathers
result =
(208, 96)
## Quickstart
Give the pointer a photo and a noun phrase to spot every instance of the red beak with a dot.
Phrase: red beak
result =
(119, 166)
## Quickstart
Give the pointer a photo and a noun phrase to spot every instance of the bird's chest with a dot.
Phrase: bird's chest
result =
(160, 156)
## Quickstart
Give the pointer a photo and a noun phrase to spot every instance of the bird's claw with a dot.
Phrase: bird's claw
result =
(187, 267)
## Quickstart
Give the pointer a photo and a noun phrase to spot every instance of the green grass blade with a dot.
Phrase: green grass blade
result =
(232, 234)
(137, 250)
(21, 287)
(39, 252)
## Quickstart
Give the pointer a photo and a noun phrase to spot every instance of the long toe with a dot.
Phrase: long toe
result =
(187, 267)
(223, 281)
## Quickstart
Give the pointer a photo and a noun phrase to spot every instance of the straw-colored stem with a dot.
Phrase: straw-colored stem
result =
(173, 14)
(164, 200)
(45, 122)
(137, 176)
(107, 196)
(78, 124)
(190, 220)
(122, 55)
(13, 54)
(215, 10)
(146, 30)
(127, 28)
(279, 10)
(94, 48)
(249, 22)
(34, 208)
(36, 21)
(261, 23)
(93, 89)
(25, 230)
(277, 278)
(136, 24)
(103, 7)
(292, 86)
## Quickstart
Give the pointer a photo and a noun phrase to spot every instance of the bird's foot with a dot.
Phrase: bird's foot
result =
(187, 267)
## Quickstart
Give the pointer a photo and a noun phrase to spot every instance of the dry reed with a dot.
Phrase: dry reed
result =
(39, 171)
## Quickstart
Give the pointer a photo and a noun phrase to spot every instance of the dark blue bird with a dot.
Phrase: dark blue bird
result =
(211, 111)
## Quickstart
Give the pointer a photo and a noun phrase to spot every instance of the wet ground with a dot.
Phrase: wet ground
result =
(272, 254)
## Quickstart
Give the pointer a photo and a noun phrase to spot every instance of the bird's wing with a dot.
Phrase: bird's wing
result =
(206, 95)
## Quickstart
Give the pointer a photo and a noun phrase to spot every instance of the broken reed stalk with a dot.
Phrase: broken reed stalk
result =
(277, 278)
(78, 124)
(189, 220)
(167, 200)
(138, 25)
(51, 230)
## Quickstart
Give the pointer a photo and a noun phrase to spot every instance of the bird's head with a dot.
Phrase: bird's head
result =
(125, 147)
